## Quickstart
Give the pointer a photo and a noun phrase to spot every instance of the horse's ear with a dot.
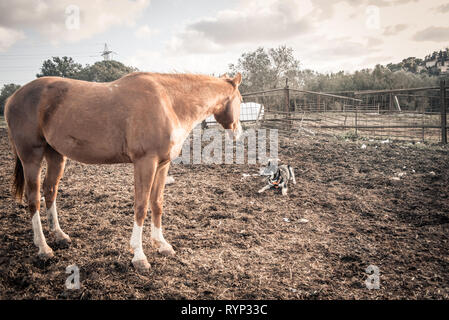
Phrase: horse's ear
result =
(224, 76)
(237, 80)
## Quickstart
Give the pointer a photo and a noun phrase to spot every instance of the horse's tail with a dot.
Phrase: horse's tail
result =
(19, 181)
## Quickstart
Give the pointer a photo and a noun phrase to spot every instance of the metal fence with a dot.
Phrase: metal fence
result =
(249, 112)
(417, 114)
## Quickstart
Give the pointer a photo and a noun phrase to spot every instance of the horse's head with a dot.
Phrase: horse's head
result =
(229, 112)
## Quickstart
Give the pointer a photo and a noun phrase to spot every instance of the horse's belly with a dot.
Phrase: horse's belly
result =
(93, 150)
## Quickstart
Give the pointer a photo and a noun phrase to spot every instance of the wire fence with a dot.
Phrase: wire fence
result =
(417, 114)
(249, 112)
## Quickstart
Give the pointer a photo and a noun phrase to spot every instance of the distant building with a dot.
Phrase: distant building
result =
(438, 60)
(420, 68)
(431, 63)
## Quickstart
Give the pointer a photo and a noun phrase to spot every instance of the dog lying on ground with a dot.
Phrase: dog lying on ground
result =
(277, 176)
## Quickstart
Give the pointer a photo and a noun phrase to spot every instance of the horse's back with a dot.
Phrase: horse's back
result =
(86, 121)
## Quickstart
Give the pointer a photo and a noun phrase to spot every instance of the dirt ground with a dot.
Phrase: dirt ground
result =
(385, 205)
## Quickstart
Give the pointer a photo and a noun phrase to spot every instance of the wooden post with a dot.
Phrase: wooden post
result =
(443, 111)
(356, 112)
(390, 102)
(287, 103)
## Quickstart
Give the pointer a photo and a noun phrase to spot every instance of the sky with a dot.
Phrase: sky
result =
(205, 36)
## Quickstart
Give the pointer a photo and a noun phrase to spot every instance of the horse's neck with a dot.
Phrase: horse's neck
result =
(197, 102)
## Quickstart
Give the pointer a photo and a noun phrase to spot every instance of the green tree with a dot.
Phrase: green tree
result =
(267, 69)
(6, 92)
(379, 78)
(61, 67)
(105, 71)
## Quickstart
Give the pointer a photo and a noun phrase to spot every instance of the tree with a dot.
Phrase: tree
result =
(267, 69)
(285, 65)
(6, 92)
(105, 71)
(380, 77)
(61, 67)
(102, 71)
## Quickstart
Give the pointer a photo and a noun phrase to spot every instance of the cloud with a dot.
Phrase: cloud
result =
(69, 20)
(394, 30)
(192, 42)
(325, 8)
(256, 22)
(346, 49)
(8, 37)
(377, 60)
(145, 32)
(159, 61)
(436, 34)
(373, 42)
(444, 8)
(251, 22)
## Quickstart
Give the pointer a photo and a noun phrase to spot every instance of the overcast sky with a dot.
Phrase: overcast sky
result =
(204, 36)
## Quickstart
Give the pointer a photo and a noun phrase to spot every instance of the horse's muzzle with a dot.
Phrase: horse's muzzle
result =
(237, 132)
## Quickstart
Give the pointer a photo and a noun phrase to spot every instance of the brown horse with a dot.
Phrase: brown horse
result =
(142, 118)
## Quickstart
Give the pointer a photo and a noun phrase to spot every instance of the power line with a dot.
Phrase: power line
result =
(41, 53)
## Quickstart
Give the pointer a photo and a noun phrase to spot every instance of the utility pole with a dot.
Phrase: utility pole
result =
(107, 54)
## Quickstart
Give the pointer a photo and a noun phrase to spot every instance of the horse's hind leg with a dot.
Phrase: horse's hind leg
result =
(32, 170)
(55, 169)
(156, 201)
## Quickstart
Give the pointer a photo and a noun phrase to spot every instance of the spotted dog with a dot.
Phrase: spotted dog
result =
(277, 176)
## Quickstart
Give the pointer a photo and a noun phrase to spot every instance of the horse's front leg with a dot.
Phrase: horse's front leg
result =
(144, 172)
(156, 203)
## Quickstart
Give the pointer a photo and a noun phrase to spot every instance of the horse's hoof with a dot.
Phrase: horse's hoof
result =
(163, 248)
(167, 251)
(48, 254)
(142, 266)
(64, 242)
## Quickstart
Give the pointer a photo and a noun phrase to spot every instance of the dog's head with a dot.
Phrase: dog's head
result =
(270, 169)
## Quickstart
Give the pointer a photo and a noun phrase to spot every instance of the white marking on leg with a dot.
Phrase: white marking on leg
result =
(52, 217)
(136, 243)
(38, 235)
(157, 236)
(156, 233)
(169, 180)
(238, 131)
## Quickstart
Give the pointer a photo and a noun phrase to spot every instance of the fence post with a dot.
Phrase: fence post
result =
(287, 103)
(390, 102)
(443, 111)
(356, 120)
